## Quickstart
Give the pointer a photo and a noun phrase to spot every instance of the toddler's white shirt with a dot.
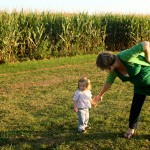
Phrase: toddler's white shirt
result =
(82, 99)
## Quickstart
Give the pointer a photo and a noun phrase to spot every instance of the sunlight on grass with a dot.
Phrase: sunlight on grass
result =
(36, 108)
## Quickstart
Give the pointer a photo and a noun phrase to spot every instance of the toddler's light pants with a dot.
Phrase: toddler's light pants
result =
(83, 118)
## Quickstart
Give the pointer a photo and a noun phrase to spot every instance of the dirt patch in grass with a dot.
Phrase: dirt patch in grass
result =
(40, 83)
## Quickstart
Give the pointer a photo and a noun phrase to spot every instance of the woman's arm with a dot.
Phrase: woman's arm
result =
(99, 97)
(109, 81)
(146, 47)
(104, 89)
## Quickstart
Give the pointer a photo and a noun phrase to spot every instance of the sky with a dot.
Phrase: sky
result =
(73, 6)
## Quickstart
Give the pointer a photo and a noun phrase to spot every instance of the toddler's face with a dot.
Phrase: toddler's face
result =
(82, 86)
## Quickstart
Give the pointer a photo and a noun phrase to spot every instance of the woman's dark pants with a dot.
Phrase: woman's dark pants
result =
(136, 107)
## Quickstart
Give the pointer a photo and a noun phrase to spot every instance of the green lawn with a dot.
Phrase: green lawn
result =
(36, 108)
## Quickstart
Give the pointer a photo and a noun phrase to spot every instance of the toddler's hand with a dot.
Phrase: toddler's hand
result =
(75, 109)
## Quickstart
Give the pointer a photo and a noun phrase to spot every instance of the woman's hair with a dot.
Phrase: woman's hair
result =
(105, 60)
(86, 81)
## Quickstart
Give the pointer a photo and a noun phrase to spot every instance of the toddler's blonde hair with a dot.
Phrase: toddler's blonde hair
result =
(86, 81)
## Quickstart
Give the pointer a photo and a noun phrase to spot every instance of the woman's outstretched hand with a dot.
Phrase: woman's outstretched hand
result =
(95, 100)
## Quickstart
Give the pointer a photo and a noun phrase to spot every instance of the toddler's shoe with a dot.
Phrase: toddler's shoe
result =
(81, 131)
(87, 128)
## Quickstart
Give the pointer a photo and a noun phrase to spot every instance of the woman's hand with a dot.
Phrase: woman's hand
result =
(95, 100)
(94, 103)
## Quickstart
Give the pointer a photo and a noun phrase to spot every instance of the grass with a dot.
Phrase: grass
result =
(36, 108)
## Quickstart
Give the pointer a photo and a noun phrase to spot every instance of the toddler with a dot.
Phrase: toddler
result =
(82, 102)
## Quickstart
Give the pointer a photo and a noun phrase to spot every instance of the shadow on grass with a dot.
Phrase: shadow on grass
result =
(38, 138)
(52, 138)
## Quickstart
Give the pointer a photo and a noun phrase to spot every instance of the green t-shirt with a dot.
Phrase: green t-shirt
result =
(137, 67)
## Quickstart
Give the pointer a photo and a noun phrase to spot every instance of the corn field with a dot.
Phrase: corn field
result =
(33, 35)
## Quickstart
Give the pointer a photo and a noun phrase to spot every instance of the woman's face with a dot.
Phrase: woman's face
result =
(108, 70)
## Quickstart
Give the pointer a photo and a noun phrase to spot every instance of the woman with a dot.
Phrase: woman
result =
(129, 65)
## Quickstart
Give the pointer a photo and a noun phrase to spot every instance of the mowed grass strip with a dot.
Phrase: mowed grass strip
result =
(36, 108)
